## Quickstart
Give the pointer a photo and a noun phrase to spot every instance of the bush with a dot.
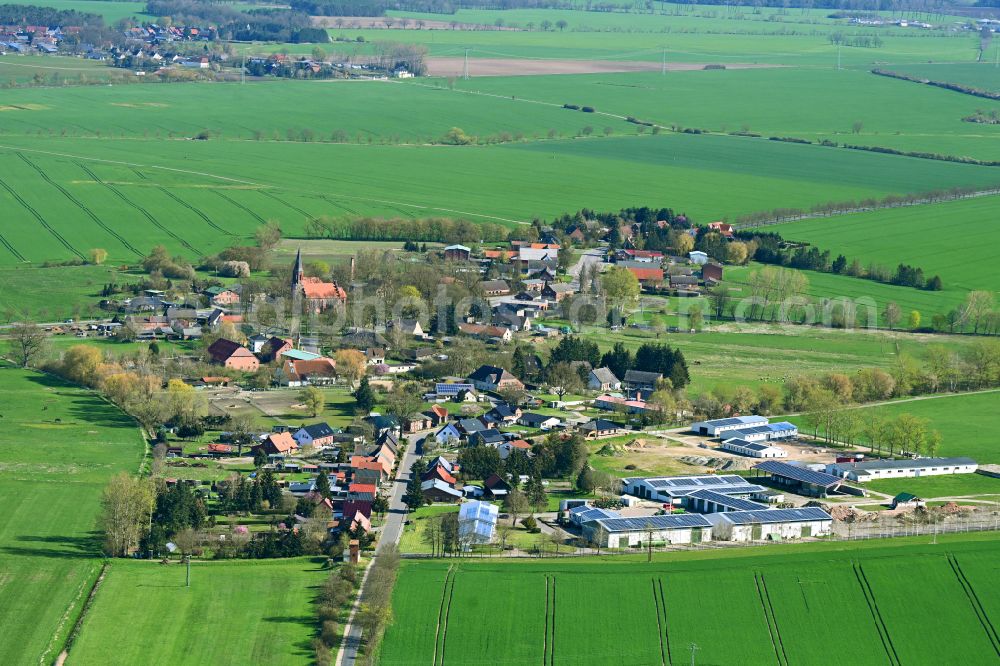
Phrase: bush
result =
(323, 656)
(234, 269)
(571, 107)
(587, 109)
(328, 633)
(714, 66)
(328, 613)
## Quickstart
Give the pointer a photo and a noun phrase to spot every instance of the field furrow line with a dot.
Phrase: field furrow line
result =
(880, 626)
(339, 204)
(444, 597)
(79, 204)
(977, 607)
(666, 624)
(771, 629)
(286, 204)
(241, 207)
(195, 211)
(659, 623)
(145, 213)
(774, 617)
(545, 635)
(447, 617)
(552, 640)
(41, 220)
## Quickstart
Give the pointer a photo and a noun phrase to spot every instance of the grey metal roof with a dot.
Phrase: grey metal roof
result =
(802, 474)
(808, 513)
(919, 463)
(727, 501)
(671, 522)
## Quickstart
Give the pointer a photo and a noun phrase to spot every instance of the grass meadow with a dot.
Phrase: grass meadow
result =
(737, 606)
(233, 613)
(58, 446)
(950, 485)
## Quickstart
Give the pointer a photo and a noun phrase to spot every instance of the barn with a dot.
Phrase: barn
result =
(800, 480)
(770, 524)
(716, 427)
(764, 433)
(660, 530)
(675, 489)
(753, 449)
(869, 470)
(709, 501)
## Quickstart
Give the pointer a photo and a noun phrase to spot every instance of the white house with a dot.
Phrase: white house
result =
(869, 470)
(625, 532)
(698, 257)
(716, 427)
(540, 421)
(753, 449)
(770, 524)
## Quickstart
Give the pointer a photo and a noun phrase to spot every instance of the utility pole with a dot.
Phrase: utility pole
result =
(465, 68)
(187, 582)
(694, 647)
(243, 72)
(663, 69)
(838, 56)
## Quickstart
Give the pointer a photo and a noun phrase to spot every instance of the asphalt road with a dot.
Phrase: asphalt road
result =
(389, 534)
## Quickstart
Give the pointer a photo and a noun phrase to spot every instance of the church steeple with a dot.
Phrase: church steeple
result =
(297, 272)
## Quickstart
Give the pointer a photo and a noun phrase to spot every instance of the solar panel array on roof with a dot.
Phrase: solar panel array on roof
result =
(730, 484)
(726, 501)
(776, 516)
(672, 522)
(744, 444)
(801, 474)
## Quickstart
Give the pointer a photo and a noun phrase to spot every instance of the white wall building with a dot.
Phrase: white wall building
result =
(753, 449)
(770, 524)
(628, 532)
(716, 427)
(675, 489)
(870, 470)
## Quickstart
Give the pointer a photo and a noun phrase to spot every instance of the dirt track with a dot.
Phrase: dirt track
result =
(437, 66)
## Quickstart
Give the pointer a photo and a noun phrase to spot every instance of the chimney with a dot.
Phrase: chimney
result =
(352, 269)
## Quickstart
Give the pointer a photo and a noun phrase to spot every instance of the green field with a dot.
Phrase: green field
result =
(233, 613)
(788, 606)
(951, 485)
(21, 69)
(982, 75)
(199, 196)
(951, 416)
(58, 446)
(111, 11)
(812, 104)
(952, 239)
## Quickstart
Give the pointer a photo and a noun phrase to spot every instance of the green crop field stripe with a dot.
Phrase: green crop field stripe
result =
(548, 625)
(140, 174)
(89, 213)
(666, 628)
(241, 207)
(286, 204)
(41, 220)
(194, 210)
(977, 607)
(659, 622)
(772, 628)
(444, 597)
(145, 213)
(880, 626)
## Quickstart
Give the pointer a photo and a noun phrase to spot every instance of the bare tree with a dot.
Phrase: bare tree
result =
(28, 343)
(126, 505)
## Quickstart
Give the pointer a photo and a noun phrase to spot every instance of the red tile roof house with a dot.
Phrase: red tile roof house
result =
(279, 443)
(647, 275)
(367, 471)
(233, 356)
